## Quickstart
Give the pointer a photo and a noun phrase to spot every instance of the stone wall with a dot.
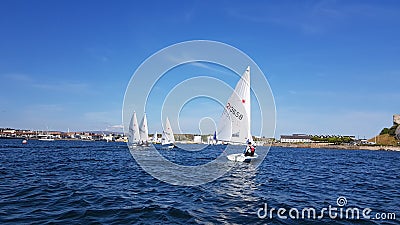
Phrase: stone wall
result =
(396, 119)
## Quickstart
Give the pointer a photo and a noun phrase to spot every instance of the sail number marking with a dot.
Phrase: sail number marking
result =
(234, 111)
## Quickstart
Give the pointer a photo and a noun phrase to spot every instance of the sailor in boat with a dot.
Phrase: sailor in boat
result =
(250, 149)
(144, 143)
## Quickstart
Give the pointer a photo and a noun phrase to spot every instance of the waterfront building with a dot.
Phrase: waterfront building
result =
(296, 138)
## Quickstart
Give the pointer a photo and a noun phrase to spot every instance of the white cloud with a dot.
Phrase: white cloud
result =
(62, 86)
(310, 17)
(17, 77)
(58, 86)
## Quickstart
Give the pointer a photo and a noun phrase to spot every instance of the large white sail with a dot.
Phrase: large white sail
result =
(168, 135)
(144, 130)
(234, 125)
(134, 136)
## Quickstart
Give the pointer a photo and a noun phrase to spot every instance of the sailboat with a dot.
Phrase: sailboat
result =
(167, 138)
(214, 139)
(133, 135)
(144, 132)
(235, 123)
(155, 138)
(45, 137)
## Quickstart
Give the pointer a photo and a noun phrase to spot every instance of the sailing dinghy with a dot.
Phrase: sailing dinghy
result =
(234, 126)
(167, 138)
(144, 132)
(134, 135)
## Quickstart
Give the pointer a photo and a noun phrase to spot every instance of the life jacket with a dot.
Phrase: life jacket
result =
(252, 149)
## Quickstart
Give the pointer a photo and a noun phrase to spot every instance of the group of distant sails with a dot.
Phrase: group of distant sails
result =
(138, 135)
(233, 127)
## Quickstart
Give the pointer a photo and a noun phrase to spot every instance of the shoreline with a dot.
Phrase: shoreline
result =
(337, 147)
(56, 139)
(282, 145)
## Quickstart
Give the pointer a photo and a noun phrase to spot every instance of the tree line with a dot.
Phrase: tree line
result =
(391, 131)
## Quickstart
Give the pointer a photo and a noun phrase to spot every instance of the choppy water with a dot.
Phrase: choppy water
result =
(67, 182)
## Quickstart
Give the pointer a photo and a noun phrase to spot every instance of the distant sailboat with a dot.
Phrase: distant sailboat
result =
(235, 124)
(214, 139)
(144, 132)
(133, 135)
(155, 138)
(167, 138)
(45, 137)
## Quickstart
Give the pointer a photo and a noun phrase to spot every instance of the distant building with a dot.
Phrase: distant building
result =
(97, 137)
(9, 131)
(197, 139)
(398, 133)
(260, 141)
(296, 138)
(396, 119)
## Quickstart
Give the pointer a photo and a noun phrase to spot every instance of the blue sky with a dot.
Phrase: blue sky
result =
(333, 66)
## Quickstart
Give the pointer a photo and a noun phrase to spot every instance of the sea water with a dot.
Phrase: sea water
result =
(74, 182)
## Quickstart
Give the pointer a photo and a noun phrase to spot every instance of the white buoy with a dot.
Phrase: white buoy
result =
(24, 141)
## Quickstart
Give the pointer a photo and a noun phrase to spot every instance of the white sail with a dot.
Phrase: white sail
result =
(234, 125)
(155, 137)
(134, 136)
(144, 130)
(168, 135)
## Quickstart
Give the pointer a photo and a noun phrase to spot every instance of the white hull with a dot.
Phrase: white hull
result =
(241, 158)
(170, 146)
(45, 139)
(136, 146)
(164, 146)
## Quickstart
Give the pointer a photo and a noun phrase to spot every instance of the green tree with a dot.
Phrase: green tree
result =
(384, 131)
